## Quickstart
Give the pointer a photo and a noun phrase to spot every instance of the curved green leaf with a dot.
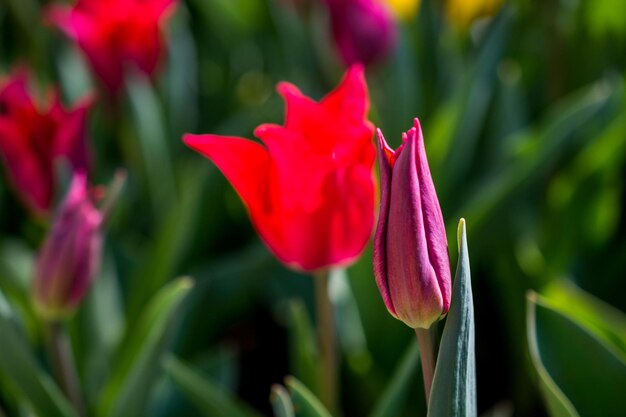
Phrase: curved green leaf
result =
(453, 391)
(305, 403)
(390, 403)
(20, 368)
(597, 316)
(281, 402)
(557, 403)
(134, 368)
(573, 357)
(213, 400)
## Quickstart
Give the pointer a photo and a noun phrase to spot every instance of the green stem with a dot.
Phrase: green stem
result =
(426, 342)
(63, 364)
(328, 343)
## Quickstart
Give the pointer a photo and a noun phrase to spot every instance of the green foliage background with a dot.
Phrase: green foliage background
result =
(524, 118)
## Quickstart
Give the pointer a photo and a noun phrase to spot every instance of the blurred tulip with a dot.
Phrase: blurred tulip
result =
(363, 30)
(463, 13)
(115, 33)
(33, 138)
(411, 261)
(404, 9)
(310, 189)
(70, 255)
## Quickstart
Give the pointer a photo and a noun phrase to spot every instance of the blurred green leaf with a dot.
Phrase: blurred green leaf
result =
(208, 396)
(149, 118)
(348, 320)
(453, 391)
(19, 366)
(15, 280)
(169, 244)
(461, 124)
(568, 358)
(97, 328)
(305, 403)
(559, 132)
(391, 402)
(605, 17)
(281, 402)
(304, 353)
(134, 367)
(605, 321)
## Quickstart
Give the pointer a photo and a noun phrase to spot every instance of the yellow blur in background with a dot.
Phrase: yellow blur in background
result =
(404, 9)
(462, 13)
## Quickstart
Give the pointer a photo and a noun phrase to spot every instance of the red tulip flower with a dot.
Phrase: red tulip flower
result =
(33, 138)
(310, 189)
(71, 254)
(115, 33)
(411, 262)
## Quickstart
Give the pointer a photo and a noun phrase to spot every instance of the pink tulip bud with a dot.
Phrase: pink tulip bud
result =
(411, 261)
(70, 255)
(363, 30)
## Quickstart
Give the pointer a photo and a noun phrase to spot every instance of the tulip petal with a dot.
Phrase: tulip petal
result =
(414, 287)
(380, 238)
(350, 97)
(244, 163)
(433, 219)
(31, 181)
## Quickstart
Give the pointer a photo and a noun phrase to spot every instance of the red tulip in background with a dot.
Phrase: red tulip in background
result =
(411, 262)
(115, 33)
(363, 30)
(70, 256)
(310, 189)
(33, 138)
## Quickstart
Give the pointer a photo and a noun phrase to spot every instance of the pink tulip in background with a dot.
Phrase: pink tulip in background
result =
(70, 256)
(33, 137)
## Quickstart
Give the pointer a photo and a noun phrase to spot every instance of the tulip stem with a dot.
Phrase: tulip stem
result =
(327, 387)
(426, 343)
(63, 364)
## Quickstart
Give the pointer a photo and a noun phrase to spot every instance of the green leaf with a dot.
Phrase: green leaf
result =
(304, 354)
(281, 402)
(557, 403)
(305, 403)
(570, 356)
(453, 391)
(169, 244)
(148, 118)
(605, 321)
(558, 134)
(134, 368)
(348, 320)
(390, 403)
(19, 366)
(209, 397)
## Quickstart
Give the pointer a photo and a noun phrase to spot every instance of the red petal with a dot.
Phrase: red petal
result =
(350, 99)
(244, 163)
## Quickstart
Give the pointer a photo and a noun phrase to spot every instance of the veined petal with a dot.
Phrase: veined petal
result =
(413, 283)
(433, 218)
(385, 164)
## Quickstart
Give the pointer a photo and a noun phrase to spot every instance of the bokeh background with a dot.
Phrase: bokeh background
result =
(524, 116)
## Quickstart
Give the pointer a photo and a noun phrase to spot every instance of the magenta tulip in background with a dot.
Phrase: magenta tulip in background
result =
(70, 256)
(411, 261)
(364, 30)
